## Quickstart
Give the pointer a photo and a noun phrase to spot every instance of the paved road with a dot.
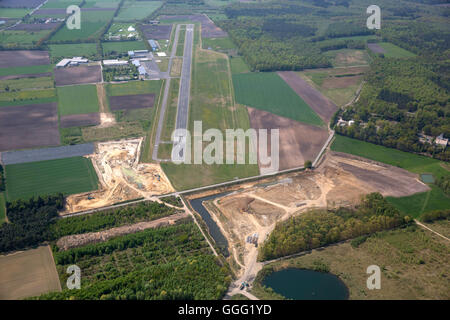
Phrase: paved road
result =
(165, 97)
(185, 85)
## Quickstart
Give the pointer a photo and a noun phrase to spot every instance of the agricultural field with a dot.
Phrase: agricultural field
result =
(212, 103)
(28, 273)
(13, 12)
(4, 72)
(23, 96)
(218, 44)
(157, 32)
(338, 84)
(122, 47)
(131, 102)
(390, 50)
(348, 57)
(24, 84)
(268, 92)
(92, 25)
(28, 126)
(20, 38)
(414, 205)
(133, 87)
(238, 65)
(136, 10)
(59, 51)
(78, 75)
(406, 256)
(23, 58)
(69, 176)
(173, 262)
(77, 99)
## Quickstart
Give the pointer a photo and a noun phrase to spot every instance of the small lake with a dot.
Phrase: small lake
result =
(213, 228)
(302, 284)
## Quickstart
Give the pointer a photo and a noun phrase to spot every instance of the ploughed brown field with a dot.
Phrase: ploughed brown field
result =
(23, 58)
(29, 126)
(79, 120)
(28, 273)
(375, 48)
(318, 102)
(130, 102)
(298, 141)
(78, 75)
(157, 31)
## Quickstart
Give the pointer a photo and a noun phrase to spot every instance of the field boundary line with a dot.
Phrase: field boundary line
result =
(429, 229)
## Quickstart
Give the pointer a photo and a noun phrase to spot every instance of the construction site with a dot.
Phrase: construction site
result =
(248, 213)
(121, 177)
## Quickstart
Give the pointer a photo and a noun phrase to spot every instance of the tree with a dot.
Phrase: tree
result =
(308, 164)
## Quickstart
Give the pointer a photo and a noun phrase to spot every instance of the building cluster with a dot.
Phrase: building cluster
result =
(343, 123)
(70, 62)
(439, 140)
(130, 33)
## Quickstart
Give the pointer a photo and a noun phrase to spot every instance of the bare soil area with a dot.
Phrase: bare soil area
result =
(23, 58)
(157, 32)
(29, 126)
(78, 75)
(298, 141)
(130, 102)
(79, 120)
(28, 273)
(375, 48)
(316, 100)
(121, 177)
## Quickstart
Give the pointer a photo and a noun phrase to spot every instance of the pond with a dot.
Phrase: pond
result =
(302, 284)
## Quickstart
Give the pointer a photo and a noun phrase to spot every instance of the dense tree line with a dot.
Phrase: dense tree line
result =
(29, 222)
(435, 215)
(401, 99)
(173, 262)
(143, 211)
(2, 179)
(321, 227)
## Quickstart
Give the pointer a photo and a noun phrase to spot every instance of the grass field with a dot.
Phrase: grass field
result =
(25, 70)
(77, 99)
(413, 205)
(137, 10)
(180, 44)
(268, 92)
(348, 57)
(2, 208)
(72, 50)
(28, 273)
(165, 150)
(91, 25)
(413, 263)
(69, 176)
(238, 65)
(26, 83)
(134, 87)
(218, 44)
(393, 51)
(13, 12)
(122, 46)
(171, 110)
(22, 96)
(27, 101)
(212, 103)
(21, 38)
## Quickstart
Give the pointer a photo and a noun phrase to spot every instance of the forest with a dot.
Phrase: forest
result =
(36, 220)
(29, 222)
(2, 179)
(435, 215)
(317, 228)
(172, 262)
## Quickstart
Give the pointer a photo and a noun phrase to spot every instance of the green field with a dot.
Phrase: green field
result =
(25, 70)
(238, 65)
(61, 4)
(91, 25)
(69, 176)
(218, 44)
(393, 51)
(27, 101)
(122, 46)
(77, 99)
(413, 205)
(72, 50)
(23, 84)
(133, 87)
(268, 92)
(22, 96)
(180, 44)
(137, 10)
(13, 12)
(171, 110)
(2, 208)
(21, 38)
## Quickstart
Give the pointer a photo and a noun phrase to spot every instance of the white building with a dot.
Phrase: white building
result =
(71, 61)
(440, 140)
(131, 29)
(115, 62)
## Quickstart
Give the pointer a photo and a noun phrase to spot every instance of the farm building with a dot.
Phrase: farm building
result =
(161, 54)
(71, 62)
(440, 140)
(115, 62)
(138, 53)
(153, 44)
(131, 29)
(142, 72)
(136, 62)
